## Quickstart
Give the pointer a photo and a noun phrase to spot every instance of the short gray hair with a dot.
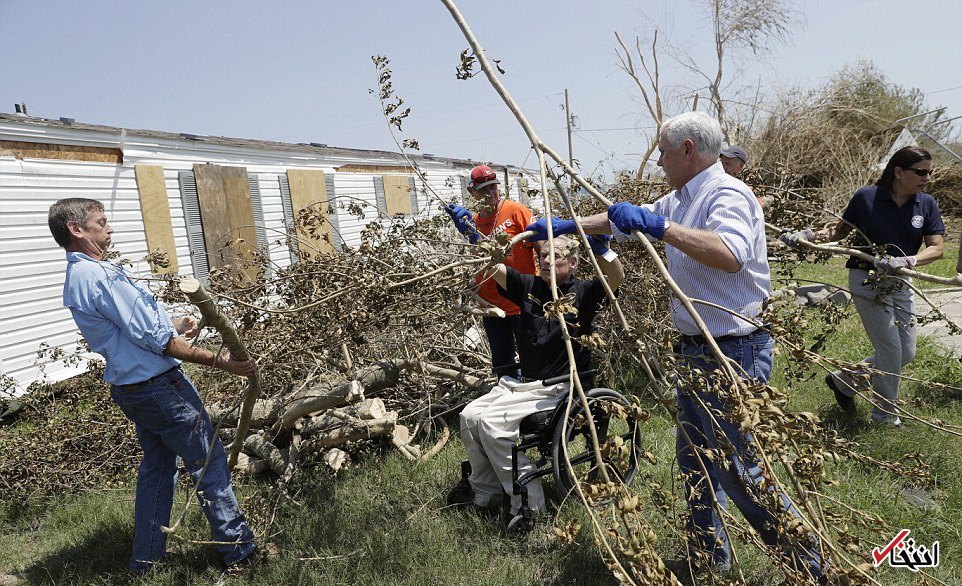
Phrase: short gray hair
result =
(569, 246)
(703, 130)
(72, 209)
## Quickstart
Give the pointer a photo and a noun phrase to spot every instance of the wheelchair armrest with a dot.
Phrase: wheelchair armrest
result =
(564, 377)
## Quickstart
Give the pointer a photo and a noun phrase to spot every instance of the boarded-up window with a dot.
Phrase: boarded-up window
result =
(65, 152)
(155, 212)
(308, 192)
(397, 195)
(230, 233)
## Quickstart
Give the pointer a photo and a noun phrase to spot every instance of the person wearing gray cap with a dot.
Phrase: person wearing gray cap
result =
(733, 159)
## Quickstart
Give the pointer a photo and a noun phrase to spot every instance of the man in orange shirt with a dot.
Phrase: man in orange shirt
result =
(496, 215)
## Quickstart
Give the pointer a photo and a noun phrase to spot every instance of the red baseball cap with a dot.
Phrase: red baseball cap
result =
(482, 176)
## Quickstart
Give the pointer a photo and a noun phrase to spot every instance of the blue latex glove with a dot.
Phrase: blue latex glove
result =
(559, 227)
(890, 264)
(627, 218)
(599, 243)
(462, 221)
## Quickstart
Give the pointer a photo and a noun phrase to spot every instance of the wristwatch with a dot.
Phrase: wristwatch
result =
(667, 225)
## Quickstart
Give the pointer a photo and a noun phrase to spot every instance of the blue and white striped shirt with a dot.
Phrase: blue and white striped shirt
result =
(718, 202)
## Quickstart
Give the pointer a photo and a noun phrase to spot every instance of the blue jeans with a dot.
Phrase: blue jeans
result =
(502, 333)
(171, 421)
(738, 479)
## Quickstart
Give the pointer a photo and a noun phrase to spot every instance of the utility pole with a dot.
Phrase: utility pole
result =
(571, 158)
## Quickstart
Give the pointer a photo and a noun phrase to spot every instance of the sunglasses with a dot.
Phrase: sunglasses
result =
(920, 172)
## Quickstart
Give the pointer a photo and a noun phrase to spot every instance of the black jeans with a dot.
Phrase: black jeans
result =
(502, 333)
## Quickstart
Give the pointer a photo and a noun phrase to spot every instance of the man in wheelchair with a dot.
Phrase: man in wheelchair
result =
(490, 424)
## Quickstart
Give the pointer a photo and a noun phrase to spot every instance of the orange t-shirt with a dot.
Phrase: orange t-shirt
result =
(511, 219)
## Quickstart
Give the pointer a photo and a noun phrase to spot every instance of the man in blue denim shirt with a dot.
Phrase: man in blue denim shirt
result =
(143, 350)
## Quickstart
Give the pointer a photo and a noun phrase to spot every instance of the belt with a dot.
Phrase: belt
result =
(700, 339)
(135, 386)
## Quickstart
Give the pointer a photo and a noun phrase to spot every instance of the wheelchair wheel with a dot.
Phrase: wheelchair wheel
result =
(618, 435)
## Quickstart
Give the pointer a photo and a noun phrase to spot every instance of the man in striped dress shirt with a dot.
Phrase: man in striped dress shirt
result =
(714, 234)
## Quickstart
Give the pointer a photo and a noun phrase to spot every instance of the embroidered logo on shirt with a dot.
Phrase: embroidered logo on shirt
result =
(917, 221)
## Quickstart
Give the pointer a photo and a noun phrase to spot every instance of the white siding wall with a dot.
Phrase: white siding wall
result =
(32, 265)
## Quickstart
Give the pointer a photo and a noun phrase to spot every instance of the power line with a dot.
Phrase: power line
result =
(576, 130)
(948, 89)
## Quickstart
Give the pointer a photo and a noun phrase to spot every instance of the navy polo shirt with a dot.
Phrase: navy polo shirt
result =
(900, 229)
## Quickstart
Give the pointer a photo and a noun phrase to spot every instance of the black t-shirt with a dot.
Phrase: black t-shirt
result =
(541, 347)
(900, 229)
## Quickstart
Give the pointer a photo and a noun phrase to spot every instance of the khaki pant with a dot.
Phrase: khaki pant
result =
(887, 312)
(489, 429)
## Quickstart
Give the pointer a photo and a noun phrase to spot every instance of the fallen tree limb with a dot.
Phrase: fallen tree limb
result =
(319, 398)
(263, 414)
(445, 435)
(842, 250)
(208, 310)
(265, 450)
(440, 372)
(352, 430)
(482, 311)
(401, 439)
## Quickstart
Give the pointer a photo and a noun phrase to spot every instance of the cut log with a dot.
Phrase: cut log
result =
(250, 466)
(367, 409)
(292, 456)
(336, 458)
(319, 398)
(212, 317)
(351, 430)
(263, 414)
(378, 376)
(401, 439)
(265, 450)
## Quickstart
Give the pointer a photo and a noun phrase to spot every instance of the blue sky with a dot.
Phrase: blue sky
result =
(300, 71)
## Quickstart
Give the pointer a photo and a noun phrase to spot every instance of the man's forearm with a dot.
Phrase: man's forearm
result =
(596, 223)
(181, 349)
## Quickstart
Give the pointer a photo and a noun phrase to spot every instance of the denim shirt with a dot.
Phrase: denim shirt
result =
(120, 320)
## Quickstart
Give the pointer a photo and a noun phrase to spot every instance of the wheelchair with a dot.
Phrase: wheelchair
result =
(619, 438)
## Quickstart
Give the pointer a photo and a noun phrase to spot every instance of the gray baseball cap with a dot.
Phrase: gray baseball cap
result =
(735, 152)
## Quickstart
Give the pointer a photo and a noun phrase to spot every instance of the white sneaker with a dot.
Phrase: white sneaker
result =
(894, 421)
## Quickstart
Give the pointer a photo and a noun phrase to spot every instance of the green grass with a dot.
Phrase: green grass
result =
(384, 521)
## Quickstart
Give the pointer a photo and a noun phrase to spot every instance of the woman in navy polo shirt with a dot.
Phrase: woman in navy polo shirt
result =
(898, 215)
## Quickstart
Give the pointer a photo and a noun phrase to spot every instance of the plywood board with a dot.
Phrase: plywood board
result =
(397, 194)
(309, 192)
(378, 169)
(155, 211)
(228, 216)
(67, 152)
